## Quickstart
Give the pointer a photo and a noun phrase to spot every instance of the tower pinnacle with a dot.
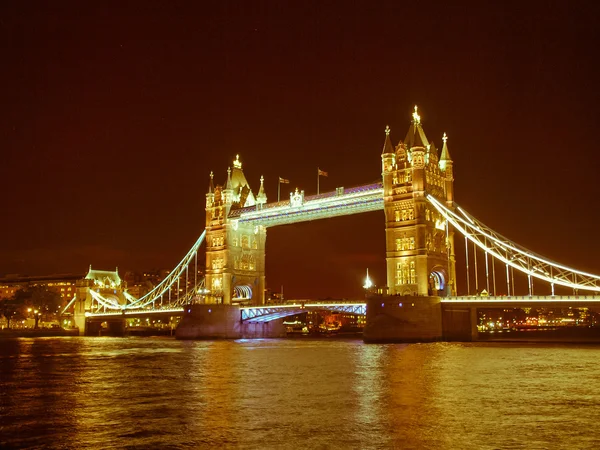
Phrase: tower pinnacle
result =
(388, 148)
(237, 164)
(261, 198)
(416, 136)
(211, 186)
(228, 185)
(416, 116)
(445, 153)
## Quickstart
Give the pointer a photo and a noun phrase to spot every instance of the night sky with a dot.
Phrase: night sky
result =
(113, 116)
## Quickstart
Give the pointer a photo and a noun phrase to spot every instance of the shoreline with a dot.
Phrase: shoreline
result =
(43, 332)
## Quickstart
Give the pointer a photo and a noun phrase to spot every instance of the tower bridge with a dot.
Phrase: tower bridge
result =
(421, 219)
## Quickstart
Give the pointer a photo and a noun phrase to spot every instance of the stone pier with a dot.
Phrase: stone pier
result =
(403, 318)
(218, 321)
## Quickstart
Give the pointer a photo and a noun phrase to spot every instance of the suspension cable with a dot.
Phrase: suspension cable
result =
(514, 255)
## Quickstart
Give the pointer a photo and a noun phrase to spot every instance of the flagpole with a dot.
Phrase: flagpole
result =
(318, 181)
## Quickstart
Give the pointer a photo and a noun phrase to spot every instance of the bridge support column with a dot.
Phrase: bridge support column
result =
(459, 323)
(259, 330)
(79, 317)
(403, 319)
(473, 324)
(210, 321)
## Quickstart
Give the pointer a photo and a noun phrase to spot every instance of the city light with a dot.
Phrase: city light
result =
(368, 283)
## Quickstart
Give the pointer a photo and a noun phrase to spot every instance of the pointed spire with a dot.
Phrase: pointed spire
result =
(416, 136)
(228, 185)
(261, 197)
(387, 145)
(445, 153)
(211, 186)
(433, 150)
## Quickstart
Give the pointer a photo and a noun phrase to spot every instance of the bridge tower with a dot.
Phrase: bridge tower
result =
(108, 284)
(419, 247)
(235, 253)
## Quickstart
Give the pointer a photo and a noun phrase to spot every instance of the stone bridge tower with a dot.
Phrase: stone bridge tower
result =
(109, 285)
(235, 253)
(419, 246)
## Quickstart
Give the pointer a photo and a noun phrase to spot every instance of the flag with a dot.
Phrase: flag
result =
(284, 181)
(322, 173)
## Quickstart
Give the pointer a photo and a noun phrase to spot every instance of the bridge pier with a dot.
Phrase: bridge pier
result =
(210, 321)
(259, 330)
(218, 321)
(418, 319)
(404, 318)
(459, 323)
(95, 327)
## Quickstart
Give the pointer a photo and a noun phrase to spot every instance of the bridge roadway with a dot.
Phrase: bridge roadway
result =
(525, 301)
(263, 313)
(267, 313)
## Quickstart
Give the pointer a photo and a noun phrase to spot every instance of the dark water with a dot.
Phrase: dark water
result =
(162, 393)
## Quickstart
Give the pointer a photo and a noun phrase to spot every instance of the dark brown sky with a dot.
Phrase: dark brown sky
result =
(113, 116)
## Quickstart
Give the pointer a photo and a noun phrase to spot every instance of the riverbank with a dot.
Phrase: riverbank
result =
(554, 335)
(41, 332)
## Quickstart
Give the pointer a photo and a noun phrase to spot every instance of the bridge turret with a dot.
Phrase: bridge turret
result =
(261, 197)
(211, 185)
(446, 166)
(210, 195)
(228, 191)
(417, 146)
(388, 163)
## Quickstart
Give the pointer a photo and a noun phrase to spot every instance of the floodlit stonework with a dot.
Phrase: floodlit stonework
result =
(419, 247)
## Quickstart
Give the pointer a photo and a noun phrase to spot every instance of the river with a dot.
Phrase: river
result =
(297, 393)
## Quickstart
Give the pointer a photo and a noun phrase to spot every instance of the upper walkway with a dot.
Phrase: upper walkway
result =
(340, 202)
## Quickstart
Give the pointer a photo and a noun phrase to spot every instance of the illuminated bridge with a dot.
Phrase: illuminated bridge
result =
(422, 223)
(340, 202)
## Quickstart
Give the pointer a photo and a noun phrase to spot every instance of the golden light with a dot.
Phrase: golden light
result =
(416, 116)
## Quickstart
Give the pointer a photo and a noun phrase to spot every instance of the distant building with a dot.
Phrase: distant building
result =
(64, 284)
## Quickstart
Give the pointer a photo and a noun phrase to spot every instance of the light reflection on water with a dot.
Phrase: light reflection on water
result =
(153, 393)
